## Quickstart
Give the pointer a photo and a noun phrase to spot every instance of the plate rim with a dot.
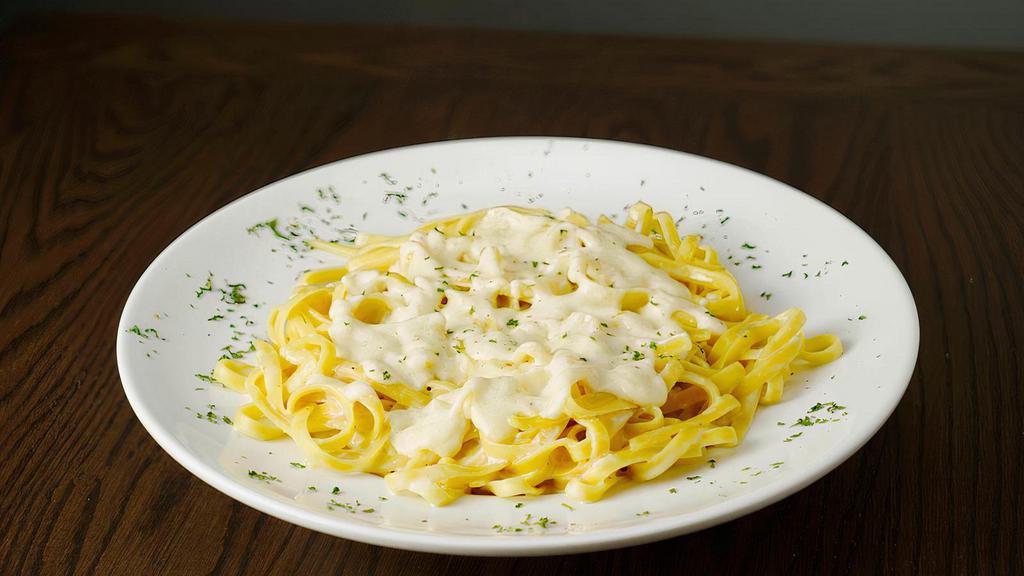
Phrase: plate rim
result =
(525, 545)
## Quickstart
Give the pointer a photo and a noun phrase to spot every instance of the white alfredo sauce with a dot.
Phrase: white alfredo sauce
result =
(497, 361)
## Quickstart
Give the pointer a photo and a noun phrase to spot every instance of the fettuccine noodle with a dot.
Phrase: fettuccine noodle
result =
(514, 352)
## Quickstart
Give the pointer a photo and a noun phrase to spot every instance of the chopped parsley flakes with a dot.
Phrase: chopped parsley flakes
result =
(234, 295)
(230, 354)
(206, 287)
(267, 225)
(145, 333)
(263, 476)
(831, 407)
(399, 197)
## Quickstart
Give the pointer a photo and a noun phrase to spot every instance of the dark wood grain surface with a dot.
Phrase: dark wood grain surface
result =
(116, 134)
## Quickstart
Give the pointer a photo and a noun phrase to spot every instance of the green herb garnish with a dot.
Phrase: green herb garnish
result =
(235, 295)
(831, 407)
(269, 225)
(263, 476)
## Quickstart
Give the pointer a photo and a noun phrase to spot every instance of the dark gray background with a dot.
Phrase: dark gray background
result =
(982, 23)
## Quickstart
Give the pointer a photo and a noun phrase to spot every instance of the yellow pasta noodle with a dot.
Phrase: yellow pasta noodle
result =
(512, 351)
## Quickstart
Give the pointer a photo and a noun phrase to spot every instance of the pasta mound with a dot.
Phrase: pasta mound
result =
(512, 351)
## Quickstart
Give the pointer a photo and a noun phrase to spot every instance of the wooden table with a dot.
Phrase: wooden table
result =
(116, 134)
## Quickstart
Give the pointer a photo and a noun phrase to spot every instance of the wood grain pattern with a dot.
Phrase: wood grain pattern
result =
(116, 134)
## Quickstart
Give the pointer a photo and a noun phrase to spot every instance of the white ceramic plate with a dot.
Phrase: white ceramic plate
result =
(840, 277)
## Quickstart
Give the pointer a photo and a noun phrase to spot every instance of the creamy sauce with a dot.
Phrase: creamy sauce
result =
(450, 326)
